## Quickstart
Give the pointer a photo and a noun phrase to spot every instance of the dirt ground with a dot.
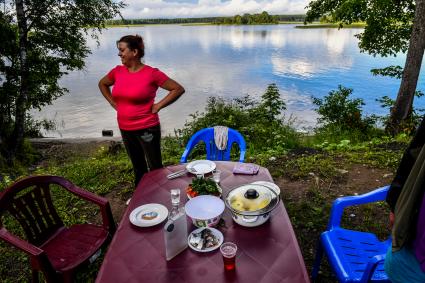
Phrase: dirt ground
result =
(353, 179)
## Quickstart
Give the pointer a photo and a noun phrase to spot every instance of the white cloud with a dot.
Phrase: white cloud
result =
(306, 65)
(205, 8)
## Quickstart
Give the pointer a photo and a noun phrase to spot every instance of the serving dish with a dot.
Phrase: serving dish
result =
(205, 211)
(251, 204)
(271, 185)
(203, 186)
(205, 239)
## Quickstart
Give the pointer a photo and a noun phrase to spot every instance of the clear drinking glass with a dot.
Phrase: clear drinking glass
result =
(175, 197)
(200, 176)
(228, 250)
(216, 174)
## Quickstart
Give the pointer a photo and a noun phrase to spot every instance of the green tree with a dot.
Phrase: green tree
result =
(41, 40)
(271, 103)
(391, 27)
(245, 19)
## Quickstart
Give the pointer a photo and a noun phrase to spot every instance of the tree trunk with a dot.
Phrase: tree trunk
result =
(403, 106)
(21, 100)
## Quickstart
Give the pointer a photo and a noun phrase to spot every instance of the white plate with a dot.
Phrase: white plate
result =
(215, 232)
(140, 215)
(201, 167)
(270, 185)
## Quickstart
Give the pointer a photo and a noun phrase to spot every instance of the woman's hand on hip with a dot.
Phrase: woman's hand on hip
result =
(176, 90)
(104, 85)
(155, 108)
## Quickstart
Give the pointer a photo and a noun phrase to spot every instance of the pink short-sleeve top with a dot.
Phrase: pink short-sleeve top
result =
(134, 94)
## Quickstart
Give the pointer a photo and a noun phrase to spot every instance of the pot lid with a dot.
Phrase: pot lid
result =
(251, 199)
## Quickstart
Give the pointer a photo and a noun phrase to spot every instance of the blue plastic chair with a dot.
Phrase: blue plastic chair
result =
(354, 256)
(213, 153)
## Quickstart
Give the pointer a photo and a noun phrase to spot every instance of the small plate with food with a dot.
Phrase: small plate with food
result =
(203, 186)
(205, 239)
(148, 215)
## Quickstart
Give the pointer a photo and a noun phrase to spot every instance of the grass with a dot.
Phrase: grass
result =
(101, 172)
(319, 172)
(313, 179)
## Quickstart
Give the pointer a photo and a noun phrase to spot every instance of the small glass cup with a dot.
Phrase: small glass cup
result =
(216, 174)
(175, 197)
(200, 176)
(228, 250)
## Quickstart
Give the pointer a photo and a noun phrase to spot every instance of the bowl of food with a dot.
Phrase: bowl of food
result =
(203, 186)
(205, 210)
(251, 204)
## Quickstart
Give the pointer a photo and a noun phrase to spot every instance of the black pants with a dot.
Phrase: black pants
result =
(144, 149)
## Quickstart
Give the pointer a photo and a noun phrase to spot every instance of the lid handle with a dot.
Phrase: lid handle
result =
(251, 194)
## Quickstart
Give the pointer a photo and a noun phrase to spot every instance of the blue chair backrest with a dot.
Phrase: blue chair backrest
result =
(213, 153)
(354, 256)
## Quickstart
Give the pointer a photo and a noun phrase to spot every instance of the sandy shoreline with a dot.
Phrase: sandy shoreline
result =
(75, 140)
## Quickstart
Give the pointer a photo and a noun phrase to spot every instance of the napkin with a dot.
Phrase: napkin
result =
(246, 168)
(221, 136)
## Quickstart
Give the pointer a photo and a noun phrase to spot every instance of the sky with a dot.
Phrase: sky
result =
(148, 9)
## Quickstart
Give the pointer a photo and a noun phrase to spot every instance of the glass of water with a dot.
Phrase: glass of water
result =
(216, 174)
(175, 197)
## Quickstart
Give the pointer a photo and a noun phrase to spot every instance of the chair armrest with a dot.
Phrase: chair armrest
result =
(86, 195)
(39, 259)
(371, 266)
(340, 203)
(103, 203)
(185, 154)
(19, 243)
(105, 208)
(242, 156)
(190, 145)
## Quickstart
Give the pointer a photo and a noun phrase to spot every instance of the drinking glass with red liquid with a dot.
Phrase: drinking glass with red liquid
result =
(228, 250)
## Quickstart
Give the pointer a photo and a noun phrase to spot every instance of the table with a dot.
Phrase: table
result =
(267, 253)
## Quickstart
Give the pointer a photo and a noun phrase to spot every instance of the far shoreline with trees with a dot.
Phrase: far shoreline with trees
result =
(245, 19)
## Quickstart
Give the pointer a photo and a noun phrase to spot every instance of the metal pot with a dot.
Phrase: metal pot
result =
(251, 204)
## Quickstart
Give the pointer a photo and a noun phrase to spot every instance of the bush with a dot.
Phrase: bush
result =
(262, 123)
(342, 117)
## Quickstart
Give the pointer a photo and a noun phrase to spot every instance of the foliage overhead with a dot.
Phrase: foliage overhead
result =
(388, 22)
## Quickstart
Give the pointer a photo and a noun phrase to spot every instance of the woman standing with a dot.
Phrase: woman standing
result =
(133, 97)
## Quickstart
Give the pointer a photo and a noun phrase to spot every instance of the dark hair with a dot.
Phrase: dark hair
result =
(134, 42)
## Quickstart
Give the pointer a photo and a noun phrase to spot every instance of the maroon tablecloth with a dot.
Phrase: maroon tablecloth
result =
(267, 253)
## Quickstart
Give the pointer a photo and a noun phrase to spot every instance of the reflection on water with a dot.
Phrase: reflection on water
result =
(227, 61)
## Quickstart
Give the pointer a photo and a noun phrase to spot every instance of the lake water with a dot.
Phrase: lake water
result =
(227, 61)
